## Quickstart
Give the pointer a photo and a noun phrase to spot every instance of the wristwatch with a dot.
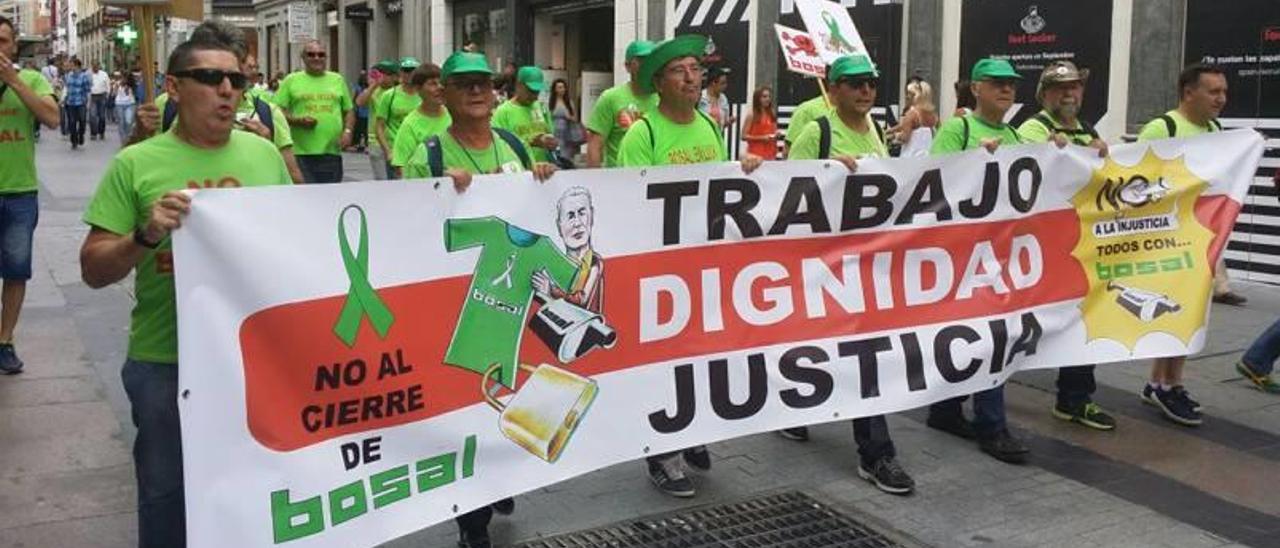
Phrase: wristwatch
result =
(141, 240)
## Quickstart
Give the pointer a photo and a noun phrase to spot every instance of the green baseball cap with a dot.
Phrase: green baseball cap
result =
(386, 65)
(462, 62)
(687, 45)
(993, 69)
(531, 77)
(852, 65)
(409, 63)
(639, 48)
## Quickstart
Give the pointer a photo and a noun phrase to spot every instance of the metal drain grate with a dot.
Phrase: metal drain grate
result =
(785, 520)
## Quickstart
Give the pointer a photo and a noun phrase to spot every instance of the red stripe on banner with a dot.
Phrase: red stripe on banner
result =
(304, 386)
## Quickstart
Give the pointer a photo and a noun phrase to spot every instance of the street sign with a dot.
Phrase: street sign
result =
(127, 35)
(302, 22)
(358, 13)
(799, 52)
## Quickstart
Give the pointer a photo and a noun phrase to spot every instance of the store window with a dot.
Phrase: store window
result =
(487, 28)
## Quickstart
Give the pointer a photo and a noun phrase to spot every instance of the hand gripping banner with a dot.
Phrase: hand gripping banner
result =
(462, 348)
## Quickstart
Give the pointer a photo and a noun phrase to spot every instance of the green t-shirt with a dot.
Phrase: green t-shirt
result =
(325, 98)
(393, 106)
(136, 178)
(658, 141)
(844, 141)
(808, 111)
(497, 157)
(497, 304)
(527, 122)
(281, 136)
(414, 131)
(1034, 131)
(951, 137)
(17, 149)
(1157, 129)
(615, 111)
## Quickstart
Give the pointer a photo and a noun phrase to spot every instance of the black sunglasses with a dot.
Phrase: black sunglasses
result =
(856, 83)
(467, 82)
(214, 77)
(315, 54)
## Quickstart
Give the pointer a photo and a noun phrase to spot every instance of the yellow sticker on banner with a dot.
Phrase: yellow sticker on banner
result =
(1143, 251)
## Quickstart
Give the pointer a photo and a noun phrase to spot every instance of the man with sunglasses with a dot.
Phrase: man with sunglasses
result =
(391, 109)
(995, 85)
(676, 132)
(141, 199)
(321, 115)
(25, 98)
(847, 134)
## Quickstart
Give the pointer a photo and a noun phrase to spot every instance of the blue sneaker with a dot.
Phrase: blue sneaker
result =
(9, 362)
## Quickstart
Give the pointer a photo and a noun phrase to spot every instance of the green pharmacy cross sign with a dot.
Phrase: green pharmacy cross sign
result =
(127, 35)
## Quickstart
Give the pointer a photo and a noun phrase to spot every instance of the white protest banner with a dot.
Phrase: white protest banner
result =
(831, 28)
(799, 51)
(362, 360)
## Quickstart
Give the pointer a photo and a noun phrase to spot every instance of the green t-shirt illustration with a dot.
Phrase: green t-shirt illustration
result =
(325, 98)
(527, 122)
(659, 141)
(17, 149)
(615, 111)
(497, 303)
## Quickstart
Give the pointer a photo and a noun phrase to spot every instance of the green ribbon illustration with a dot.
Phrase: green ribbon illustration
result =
(836, 36)
(362, 300)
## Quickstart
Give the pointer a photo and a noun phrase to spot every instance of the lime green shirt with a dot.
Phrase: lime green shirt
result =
(527, 122)
(325, 98)
(844, 141)
(415, 130)
(659, 141)
(17, 149)
(808, 111)
(136, 178)
(951, 138)
(496, 158)
(1157, 129)
(393, 107)
(614, 112)
(281, 136)
(1034, 131)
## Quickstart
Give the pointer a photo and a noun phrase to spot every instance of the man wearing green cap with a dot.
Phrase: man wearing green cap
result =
(676, 132)
(318, 106)
(617, 108)
(429, 119)
(995, 85)
(385, 76)
(849, 133)
(392, 108)
(527, 117)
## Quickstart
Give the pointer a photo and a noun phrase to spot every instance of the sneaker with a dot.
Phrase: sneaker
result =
(799, 433)
(505, 506)
(1261, 382)
(959, 427)
(1230, 299)
(668, 475)
(1004, 447)
(888, 476)
(698, 457)
(1181, 391)
(9, 362)
(1086, 413)
(1175, 407)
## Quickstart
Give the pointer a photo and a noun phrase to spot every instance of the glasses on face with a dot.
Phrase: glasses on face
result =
(214, 77)
(1003, 82)
(315, 54)
(859, 83)
(479, 81)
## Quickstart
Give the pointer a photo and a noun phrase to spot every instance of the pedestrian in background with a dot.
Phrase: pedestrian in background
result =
(318, 105)
(919, 120)
(965, 101)
(568, 127)
(99, 88)
(126, 105)
(714, 102)
(79, 86)
(760, 129)
(360, 137)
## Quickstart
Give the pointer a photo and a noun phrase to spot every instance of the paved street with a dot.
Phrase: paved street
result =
(67, 476)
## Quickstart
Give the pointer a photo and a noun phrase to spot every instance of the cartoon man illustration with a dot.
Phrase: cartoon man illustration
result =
(575, 217)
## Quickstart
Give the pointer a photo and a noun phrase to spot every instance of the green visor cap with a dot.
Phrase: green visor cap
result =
(993, 69)
(852, 65)
(409, 63)
(462, 62)
(688, 45)
(531, 77)
(639, 48)
(386, 65)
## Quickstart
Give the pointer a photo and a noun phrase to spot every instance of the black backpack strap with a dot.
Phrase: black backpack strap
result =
(1046, 122)
(1089, 129)
(516, 145)
(264, 114)
(1169, 125)
(3, 88)
(964, 145)
(880, 133)
(435, 156)
(170, 114)
(1215, 124)
(652, 142)
(824, 137)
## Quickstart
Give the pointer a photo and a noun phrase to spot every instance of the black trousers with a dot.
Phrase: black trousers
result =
(1076, 385)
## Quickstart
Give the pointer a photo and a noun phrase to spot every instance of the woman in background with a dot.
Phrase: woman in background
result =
(760, 129)
(568, 128)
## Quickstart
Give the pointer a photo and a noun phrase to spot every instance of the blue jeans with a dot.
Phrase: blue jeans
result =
(320, 168)
(18, 216)
(988, 411)
(75, 124)
(124, 115)
(98, 119)
(1261, 355)
(157, 453)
